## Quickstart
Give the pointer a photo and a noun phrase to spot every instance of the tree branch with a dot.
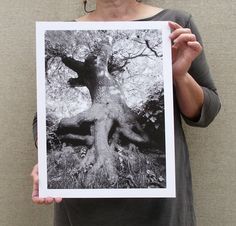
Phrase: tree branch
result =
(73, 64)
(147, 44)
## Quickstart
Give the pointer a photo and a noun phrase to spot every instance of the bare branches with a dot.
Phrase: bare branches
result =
(127, 46)
(122, 62)
(147, 43)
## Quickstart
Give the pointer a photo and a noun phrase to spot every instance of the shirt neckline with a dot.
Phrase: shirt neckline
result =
(143, 19)
(151, 17)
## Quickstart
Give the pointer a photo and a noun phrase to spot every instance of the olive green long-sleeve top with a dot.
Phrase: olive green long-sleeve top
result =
(177, 211)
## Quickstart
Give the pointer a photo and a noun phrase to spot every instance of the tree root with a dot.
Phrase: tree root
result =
(93, 128)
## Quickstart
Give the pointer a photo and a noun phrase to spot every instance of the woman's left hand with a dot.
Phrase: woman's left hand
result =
(184, 50)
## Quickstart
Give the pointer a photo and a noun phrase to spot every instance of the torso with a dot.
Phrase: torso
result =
(177, 211)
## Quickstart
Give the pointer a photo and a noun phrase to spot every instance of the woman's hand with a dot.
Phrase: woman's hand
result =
(35, 193)
(184, 50)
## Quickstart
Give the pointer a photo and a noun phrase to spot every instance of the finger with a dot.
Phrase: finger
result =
(174, 25)
(34, 174)
(195, 46)
(180, 31)
(35, 188)
(37, 200)
(48, 200)
(57, 200)
(35, 170)
(35, 196)
(185, 38)
(35, 180)
(35, 193)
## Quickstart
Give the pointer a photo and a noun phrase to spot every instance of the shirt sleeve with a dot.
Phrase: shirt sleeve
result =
(199, 70)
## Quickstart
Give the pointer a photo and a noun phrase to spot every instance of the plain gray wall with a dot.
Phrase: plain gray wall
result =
(212, 150)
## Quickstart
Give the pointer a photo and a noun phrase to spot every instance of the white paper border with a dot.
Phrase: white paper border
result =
(170, 190)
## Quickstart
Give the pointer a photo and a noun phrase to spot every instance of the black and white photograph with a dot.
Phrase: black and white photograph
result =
(105, 109)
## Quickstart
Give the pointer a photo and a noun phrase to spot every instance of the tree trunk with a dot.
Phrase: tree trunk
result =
(110, 121)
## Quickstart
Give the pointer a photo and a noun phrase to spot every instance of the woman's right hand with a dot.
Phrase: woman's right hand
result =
(35, 193)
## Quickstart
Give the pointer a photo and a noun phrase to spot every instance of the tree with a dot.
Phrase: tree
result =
(109, 126)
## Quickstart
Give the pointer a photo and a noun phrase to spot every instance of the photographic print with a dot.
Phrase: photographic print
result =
(105, 109)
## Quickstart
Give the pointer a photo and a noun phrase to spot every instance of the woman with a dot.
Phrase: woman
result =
(195, 99)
